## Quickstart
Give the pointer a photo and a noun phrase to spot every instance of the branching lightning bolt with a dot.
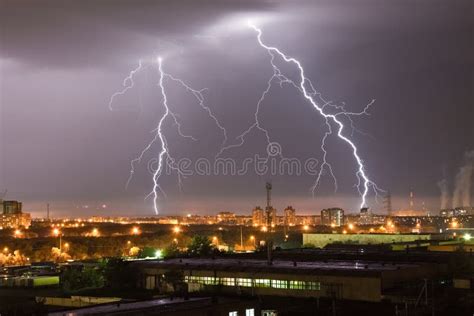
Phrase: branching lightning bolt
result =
(198, 94)
(280, 79)
(128, 83)
(308, 91)
(164, 156)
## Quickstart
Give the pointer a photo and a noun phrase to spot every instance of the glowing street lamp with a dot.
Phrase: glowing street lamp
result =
(305, 227)
(252, 238)
(95, 232)
(5, 250)
(158, 254)
(350, 226)
(17, 233)
(176, 229)
(467, 236)
(135, 230)
(57, 233)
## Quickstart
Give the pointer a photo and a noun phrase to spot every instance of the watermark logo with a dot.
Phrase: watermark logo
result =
(274, 164)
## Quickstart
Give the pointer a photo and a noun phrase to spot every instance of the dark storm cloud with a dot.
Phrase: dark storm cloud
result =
(92, 33)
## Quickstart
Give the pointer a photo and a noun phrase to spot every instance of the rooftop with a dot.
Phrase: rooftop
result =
(279, 266)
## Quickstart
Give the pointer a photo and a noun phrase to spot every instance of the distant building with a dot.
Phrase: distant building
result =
(11, 207)
(226, 218)
(289, 216)
(258, 216)
(365, 217)
(332, 217)
(458, 211)
(12, 215)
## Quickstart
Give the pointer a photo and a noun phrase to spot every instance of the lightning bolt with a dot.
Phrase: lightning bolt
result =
(276, 77)
(331, 119)
(164, 156)
(128, 83)
(198, 94)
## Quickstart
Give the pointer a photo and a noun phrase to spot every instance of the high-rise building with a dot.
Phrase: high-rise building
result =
(289, 216)
(11, 207)
(365, 217)
(258, 216)
(12, 215)
(332, 216)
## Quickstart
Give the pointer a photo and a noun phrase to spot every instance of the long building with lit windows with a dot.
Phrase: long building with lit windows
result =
(347, 280)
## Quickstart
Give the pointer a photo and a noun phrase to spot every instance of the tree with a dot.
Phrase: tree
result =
(147, 252)
(76, 279)
(134, 251)
(200, 246)
(119, 274)
(171, 251)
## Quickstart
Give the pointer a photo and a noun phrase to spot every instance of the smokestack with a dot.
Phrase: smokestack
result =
(443, 187)
(462, 187)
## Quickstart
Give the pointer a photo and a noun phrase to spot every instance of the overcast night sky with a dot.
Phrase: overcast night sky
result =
(60, 62)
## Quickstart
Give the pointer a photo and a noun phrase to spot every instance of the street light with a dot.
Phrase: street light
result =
(135, 230)
(57, 233)
(252, 238)
(17, 233)
(176, 229)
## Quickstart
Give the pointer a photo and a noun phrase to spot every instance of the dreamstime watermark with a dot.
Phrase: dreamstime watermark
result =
(274, 164)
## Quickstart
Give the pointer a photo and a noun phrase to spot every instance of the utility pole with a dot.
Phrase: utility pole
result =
(268, 209)
(241, 239)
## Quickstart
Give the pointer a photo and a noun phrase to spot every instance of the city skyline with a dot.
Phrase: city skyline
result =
(60, 144)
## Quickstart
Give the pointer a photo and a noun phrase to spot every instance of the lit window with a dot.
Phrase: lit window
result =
(250, 312)
(313, 286)
(262, 282)
(297, 285)
(233, 313)
(228, 281)
(244, 282)
(279, 284)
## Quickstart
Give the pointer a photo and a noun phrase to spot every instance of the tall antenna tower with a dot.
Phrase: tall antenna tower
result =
(268, 209)
(412, 199)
